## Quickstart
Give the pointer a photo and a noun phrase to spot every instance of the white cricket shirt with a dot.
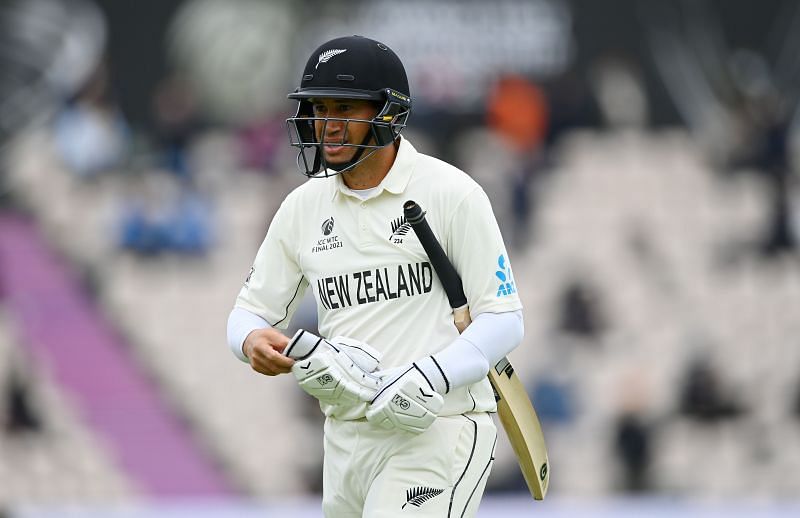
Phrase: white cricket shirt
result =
(371, 277)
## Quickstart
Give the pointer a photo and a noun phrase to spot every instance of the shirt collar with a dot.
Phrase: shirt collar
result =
(396, 180)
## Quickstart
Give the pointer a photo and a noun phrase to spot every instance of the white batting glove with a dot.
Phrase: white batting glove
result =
(336, 372)
(409, 398)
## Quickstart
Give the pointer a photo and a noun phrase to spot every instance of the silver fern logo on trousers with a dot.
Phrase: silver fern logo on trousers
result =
(417, 496)
(327, 55)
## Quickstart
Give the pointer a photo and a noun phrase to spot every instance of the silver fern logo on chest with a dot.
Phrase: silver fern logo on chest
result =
(400, 228)
(327, 55)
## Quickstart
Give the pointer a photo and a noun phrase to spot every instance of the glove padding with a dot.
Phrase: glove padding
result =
(336, 372)
(406, 401)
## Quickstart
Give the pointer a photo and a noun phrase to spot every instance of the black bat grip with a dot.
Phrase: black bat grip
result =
(448, 276)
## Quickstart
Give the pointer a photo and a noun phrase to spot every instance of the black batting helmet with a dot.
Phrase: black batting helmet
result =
(353, 67)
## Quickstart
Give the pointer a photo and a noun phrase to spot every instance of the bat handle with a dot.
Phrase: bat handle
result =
(461, 318)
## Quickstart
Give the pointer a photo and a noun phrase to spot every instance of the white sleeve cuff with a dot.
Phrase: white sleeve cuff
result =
(240, 324)
(489, 338)
(495, 334)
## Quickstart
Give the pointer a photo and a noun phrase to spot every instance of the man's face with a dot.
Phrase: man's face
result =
(334, 133)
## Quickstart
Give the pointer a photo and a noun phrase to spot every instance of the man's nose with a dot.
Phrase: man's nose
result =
(334, 127)
(334, 124)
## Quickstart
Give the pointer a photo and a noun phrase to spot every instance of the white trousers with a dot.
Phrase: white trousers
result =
(371, 472)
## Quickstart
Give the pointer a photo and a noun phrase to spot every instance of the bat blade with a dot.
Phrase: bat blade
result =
(522, 426)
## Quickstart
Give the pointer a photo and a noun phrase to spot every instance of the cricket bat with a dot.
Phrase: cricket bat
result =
(514, 409)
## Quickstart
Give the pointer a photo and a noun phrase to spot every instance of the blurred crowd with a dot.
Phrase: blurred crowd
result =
(649, 197)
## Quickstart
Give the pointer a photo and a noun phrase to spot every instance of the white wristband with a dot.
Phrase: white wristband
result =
(434, 373)
(240, 324)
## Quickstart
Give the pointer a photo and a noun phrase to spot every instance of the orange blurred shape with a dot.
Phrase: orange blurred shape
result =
(517, 111)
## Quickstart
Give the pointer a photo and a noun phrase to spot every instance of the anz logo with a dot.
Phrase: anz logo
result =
(507, 285)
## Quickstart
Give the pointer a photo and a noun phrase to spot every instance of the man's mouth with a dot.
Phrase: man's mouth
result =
(334, 148)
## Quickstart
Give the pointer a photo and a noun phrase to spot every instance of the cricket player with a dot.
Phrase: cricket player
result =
(408, 404)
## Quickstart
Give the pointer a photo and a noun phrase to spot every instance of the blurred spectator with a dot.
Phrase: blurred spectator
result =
(177, 121)
(90, 133)
(703, 396)
(774, 159)
(553, 399)
(21, 415)
(190, 226)
(796, 402)
(793, 203)
(571, 105)
(165, 216)
(620, 92)
(633, 431)
(260, 142)
(633, 445)
(765, 112)
(579, 310)
(517, 112)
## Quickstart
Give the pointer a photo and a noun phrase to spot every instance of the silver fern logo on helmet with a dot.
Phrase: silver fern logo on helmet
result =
(328, 54)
